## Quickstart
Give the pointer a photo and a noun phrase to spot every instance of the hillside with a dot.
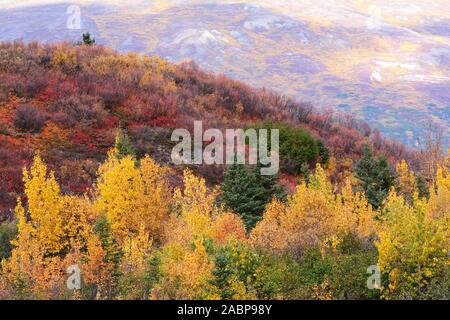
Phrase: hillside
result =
(69, 102)
(386, 64)
(92, 207)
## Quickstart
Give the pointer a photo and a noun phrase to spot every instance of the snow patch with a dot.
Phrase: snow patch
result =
(199, 37)
(376, 76)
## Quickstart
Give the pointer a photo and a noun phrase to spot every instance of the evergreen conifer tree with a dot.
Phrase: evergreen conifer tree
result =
(422, 187)
(375, 177)
(123, 146)
(246, 192)
(87, 40)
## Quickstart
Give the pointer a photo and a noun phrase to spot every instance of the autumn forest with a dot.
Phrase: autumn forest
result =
(86, 180)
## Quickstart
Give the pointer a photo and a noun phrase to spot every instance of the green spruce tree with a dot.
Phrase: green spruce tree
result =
(87, 40)
(375, 177)
(324, 153)
(246, 192)
(123, 146)
(8, 232)
(422, 186)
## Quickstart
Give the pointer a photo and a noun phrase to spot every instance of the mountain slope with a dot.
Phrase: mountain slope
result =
(69, 102)
(386, 64)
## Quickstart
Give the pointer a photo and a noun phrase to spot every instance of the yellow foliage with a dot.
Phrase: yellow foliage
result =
(129, 68)
(186, 266)
(57, 220)
(136, 251)
(271, 233)
(313, 216)
(95, 269)
(438, 205)
(186, 274)
(195, 211)
(118, 66)
(56, 225)
(158, 65)
(28, 274)
(322, 291)
(406, 180)
(356, 214)
(132, 196)
(65, 58)
(412, 235)
(76, 213)
(44, 206)
(414, 240)
(228, 226)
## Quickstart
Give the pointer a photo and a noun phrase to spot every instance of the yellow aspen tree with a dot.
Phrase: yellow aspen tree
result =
(438, 205)
(195, 212)
(119, 189)
(437, 214)
(28, 274)
(413, 249)
(95, 269)
(314, 217)
(406, 180)
(196, 225)
(356, 214)
(130, 196)
(311, 212)
(270, 233)
(185, 274)
(307, 221)
(158, 196)
(44, 206)
(58, 220)
(18, 272)
(53, 234)
(77, 213)
(30, 268)
(135, 252)
(346, 218)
